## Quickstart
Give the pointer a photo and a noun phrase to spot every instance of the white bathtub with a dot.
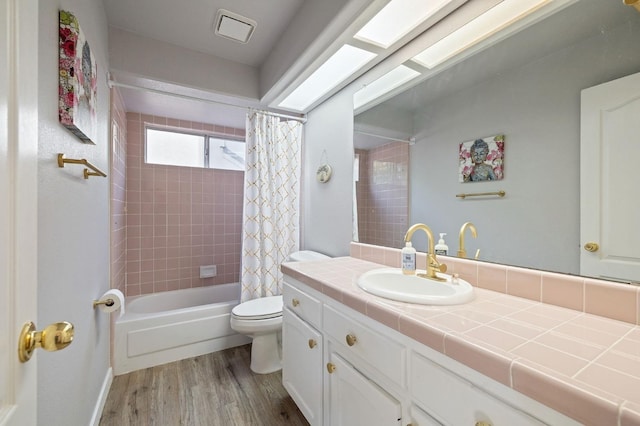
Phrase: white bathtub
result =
(169, 326)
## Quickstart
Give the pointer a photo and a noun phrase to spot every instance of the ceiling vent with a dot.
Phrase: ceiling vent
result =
(233, 26)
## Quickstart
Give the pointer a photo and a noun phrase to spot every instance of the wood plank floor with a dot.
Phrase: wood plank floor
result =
(213, 389)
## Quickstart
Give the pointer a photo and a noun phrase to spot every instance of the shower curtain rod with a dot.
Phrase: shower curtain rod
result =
(410, 141)
(113, 83)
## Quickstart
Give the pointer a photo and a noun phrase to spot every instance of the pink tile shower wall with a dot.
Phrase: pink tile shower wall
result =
(382, 194)
(179, 218)
(118, 194)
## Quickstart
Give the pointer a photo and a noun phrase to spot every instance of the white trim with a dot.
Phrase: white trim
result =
(102, 398)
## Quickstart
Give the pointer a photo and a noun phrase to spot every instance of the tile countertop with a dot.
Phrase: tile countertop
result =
(582, 365)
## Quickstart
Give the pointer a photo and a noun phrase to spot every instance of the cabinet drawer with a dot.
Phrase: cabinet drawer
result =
(382, 353)
(454, 401)
(305, 306)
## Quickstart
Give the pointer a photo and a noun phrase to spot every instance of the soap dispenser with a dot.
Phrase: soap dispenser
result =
(408, 259)
(442, 247)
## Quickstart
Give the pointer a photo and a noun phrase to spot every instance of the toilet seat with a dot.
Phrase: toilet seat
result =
(259, 309)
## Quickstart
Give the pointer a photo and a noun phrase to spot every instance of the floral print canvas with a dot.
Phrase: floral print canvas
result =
(482, 159)
(77, 80)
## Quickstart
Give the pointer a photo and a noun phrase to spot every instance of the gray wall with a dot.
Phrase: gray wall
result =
(537, 107)
(73, 230)
(327, 207)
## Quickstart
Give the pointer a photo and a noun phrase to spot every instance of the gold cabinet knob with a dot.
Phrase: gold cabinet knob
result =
(295, 302)
(54, 337)
(312, 343)
(331, 367)
(591, 247)
(351, 339)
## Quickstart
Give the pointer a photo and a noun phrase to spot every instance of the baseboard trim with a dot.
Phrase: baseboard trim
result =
(102, 398)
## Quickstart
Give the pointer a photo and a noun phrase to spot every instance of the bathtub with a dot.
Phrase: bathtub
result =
(172, 325)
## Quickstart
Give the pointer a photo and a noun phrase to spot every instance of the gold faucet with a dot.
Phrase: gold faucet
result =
(432, 263)
(461, 251)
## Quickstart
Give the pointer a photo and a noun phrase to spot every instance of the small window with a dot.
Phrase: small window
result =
(226, 154)
(175, 148)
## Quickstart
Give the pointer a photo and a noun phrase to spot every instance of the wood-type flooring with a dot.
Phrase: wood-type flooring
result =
(209, 390)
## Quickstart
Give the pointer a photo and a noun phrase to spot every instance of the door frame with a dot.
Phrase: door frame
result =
(18, 209)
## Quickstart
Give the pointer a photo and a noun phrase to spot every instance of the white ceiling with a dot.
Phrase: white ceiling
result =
(189, 24)
(306, 30)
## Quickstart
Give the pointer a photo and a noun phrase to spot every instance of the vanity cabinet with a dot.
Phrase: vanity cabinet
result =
(369, 374)
(302, 353)
(357, 400)
(455, 401)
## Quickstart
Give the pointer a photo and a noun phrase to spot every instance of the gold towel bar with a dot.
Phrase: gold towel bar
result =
(480, 194)
(96, 171)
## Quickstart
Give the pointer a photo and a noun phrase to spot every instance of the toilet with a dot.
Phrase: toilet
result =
(261, 319)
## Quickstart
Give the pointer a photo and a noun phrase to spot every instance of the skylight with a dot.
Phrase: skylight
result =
(342, 64)
(477, 30)
(397, 19)
(394, 78)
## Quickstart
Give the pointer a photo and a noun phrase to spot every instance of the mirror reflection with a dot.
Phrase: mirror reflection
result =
(528, 88)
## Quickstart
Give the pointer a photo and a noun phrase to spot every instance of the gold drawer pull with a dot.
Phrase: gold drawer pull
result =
(295, 302)
(481, 423)
(331, 367)
(351, 339)
(312, 343)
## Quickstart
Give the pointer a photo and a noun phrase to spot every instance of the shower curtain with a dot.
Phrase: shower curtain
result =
(271, 202)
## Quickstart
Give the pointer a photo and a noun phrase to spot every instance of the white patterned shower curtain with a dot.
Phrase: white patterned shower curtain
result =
(271, 211)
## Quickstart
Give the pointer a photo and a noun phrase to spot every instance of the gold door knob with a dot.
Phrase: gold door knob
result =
(351, 339)
(54, 337)
(591, 247)
(295, 302)
(331, 367)
(312, 343)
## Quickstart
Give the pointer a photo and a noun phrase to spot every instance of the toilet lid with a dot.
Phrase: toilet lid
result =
(261, 308)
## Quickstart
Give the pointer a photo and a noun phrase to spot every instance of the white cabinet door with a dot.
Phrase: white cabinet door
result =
(455, 401)
(609, 190)
(420, 418)
(355, 400)
(302, 368)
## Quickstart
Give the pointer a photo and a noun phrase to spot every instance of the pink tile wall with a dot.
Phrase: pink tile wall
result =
(118, 188)
(179, 218)
(383, 194)
(599, 297)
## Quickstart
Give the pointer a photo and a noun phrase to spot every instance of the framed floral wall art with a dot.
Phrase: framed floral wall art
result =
(77, 88)
(482, 159)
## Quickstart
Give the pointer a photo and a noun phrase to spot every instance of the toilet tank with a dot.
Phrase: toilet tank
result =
(306, 255)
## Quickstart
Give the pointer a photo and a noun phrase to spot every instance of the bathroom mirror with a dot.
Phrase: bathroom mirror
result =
(526, 87)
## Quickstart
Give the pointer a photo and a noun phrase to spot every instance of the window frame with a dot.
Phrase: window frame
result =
(192, 132)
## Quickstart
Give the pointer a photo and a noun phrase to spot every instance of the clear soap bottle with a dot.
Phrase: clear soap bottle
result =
(408, 260)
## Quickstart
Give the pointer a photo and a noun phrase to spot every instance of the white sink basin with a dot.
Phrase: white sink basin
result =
(391, 283)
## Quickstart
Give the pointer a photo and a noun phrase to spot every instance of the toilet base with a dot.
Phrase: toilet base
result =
(265, 354)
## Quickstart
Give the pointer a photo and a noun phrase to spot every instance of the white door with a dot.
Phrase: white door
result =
(18, 205)
(609, 189)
